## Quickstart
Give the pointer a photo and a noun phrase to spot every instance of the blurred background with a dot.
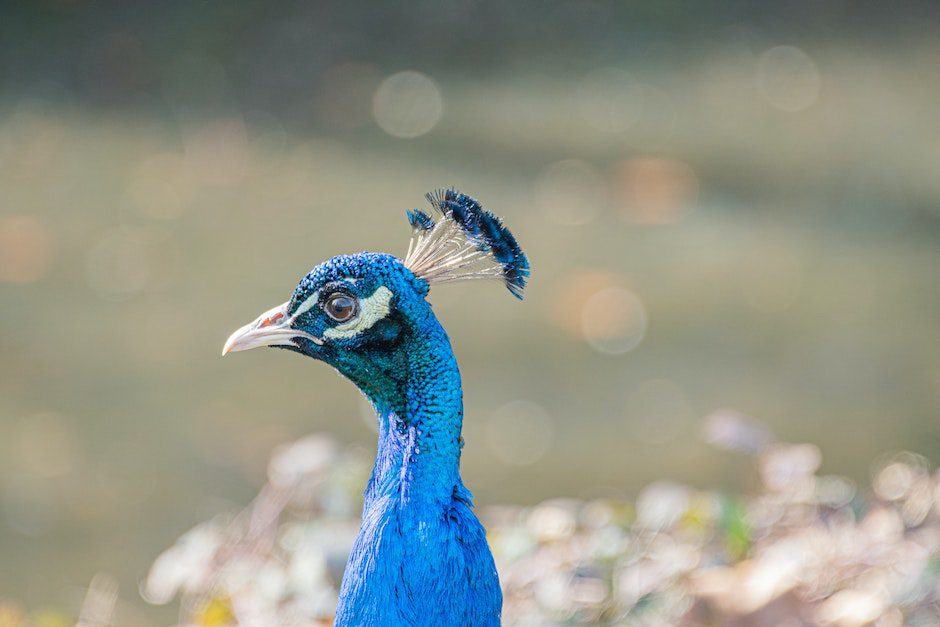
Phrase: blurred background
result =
(728, 206)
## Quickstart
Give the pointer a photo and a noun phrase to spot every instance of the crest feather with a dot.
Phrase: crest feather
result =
(419, 220)
(466, 242)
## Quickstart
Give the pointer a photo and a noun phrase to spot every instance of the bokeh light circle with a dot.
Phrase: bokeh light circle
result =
(788, 78)
(407, 104)
(896, 476)
(613, 321)
(520, 432)
(654, 190)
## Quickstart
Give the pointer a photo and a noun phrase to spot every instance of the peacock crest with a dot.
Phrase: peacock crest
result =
(463, 241)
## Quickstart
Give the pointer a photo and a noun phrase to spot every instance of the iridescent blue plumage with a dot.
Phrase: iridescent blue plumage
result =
(419, 220)
(421, 556)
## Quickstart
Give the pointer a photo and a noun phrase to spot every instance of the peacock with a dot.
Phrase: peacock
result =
(421, 555)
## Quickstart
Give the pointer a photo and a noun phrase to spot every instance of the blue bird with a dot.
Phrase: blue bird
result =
(421, 556)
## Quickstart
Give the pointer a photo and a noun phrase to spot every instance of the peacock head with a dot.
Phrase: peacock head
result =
(359, 312)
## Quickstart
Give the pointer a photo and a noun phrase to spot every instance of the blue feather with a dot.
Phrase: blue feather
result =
(419, 220)
(487, 232)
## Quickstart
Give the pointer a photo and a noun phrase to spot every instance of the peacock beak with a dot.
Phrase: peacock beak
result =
(272, 328)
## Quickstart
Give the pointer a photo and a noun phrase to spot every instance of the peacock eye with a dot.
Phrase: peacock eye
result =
(341, 307)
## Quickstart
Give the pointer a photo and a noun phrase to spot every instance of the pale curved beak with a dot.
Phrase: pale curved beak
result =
(272, 328)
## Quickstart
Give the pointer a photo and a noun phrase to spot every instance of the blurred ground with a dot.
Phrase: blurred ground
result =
(724, 208)
(800, 548)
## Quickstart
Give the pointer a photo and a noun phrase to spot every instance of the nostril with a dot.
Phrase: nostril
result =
(271, 320)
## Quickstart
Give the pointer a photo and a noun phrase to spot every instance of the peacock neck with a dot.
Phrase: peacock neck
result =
(418, 453)
(421, 556)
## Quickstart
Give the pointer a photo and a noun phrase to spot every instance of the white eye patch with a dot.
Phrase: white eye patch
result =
(309, 302)
(371, 310)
